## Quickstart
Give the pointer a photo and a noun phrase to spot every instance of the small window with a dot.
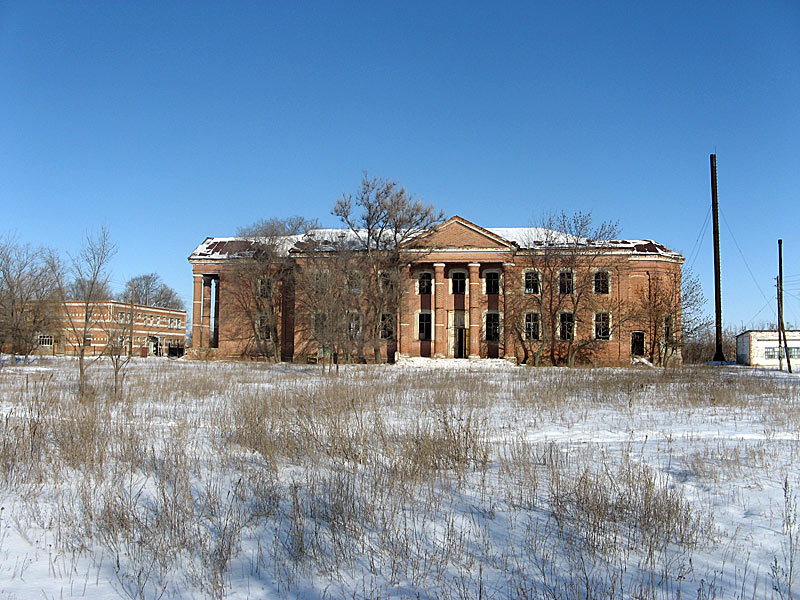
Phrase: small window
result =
(385, 282)
(532, 326)
(264, 287)
(45, 340)
(424, 329)
(492, 282)
(354, 283)
(602, 326)
(459, 281)
(387, 326)
(262, 328)
(668, 328)
(601, 282)
(87, 341)
(532, 282)
(425, 283)
(492, 327)
(354, 326)
(319, 323)
(565, 283)
(566, 326)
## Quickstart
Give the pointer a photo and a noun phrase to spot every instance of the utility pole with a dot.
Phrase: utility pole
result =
(781, 327)
(718, 354)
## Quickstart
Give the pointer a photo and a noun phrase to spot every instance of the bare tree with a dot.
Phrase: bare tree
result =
(672, 308)
(383, 217)
(327, 274)
(564, 262)
(118, 329)
(26, 297)
(149, 289)
(261, 281)
(90, 268)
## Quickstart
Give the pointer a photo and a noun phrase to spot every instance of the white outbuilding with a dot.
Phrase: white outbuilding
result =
(760, 348)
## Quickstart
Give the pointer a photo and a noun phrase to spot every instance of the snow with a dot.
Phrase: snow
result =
(340, 501)
(219, 248)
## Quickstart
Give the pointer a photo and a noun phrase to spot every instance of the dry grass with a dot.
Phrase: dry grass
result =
(376, 483)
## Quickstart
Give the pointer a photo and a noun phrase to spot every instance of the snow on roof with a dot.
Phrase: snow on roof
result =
(220, 248)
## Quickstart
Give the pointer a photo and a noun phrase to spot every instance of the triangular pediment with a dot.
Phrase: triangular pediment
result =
(457, 232)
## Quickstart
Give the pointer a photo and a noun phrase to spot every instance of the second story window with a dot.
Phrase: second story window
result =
(425, 283)
(492, 282)
(531, 282)
(601, 282)
(566, 283)
(459, 281)
(264, 287)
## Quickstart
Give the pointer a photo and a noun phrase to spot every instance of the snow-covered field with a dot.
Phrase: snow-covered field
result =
(448, 479)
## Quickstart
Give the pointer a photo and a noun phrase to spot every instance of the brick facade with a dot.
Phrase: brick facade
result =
(465, 294)
(147, 330)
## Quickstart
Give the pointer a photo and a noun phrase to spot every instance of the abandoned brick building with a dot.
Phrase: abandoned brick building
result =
(524, 294)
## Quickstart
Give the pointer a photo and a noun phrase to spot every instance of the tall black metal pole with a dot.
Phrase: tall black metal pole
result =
(718, 354)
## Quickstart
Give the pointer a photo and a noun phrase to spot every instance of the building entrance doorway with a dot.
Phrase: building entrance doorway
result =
(460, 349)
(459, 336)
(637, 343)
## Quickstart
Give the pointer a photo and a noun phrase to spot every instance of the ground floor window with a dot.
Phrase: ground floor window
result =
(387, 326)
(532, 326)
(774, 352)
(602, 326)
(424, 326)
(566, 326)
(492, 327)
(263, 329)
(45, 340)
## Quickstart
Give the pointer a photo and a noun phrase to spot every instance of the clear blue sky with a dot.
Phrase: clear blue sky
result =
(170, 122)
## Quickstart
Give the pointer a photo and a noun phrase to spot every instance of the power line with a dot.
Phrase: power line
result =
(747, 266)
(698, 243)
(760, 310)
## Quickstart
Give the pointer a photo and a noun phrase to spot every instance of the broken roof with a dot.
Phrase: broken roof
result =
(221, 248)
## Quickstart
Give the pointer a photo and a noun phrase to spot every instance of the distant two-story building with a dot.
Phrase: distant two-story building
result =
(136, 328)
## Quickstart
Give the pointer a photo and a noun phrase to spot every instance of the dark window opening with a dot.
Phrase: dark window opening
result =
(492, 283)
(425, 326)
(601, 282)
(565, 282)
(264, 287)
(602, 326)
(387, 326)
(492, 327)
(532, 326)
(566, 329)
(459, 281)
(637, 343)
(425, 283)
(354, 326)
(532, 282)
(263, 329)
